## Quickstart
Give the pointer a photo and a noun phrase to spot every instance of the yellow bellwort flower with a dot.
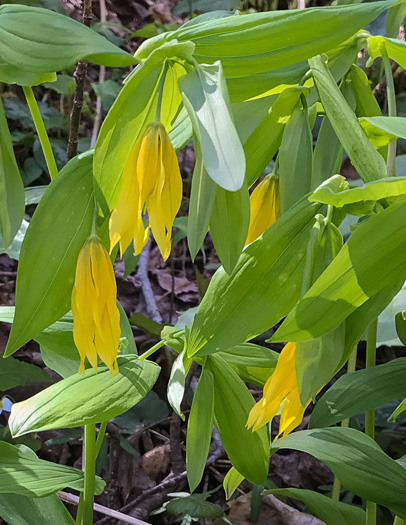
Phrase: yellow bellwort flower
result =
(150, 181)
(281, 385)
(96, 319)
(264, 207)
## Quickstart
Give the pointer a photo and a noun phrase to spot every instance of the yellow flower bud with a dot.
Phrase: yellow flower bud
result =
(264, 207)
(281, 386)
(150, 182)
(96, 319)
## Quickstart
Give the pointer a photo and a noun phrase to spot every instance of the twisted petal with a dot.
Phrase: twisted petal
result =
(96, 319)
(264, 207)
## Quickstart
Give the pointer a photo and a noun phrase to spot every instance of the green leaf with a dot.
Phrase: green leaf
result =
(328, 154)
(185, 6)
(258, 151)
(22, 510)
(357, 461)
(134, 108)
(390, 127)
(81, 400)
(108, 92)
(17, 373)
(11, 186)
(238, 307)
(248, 354)
(223, 155)
(366, 160)
(15, 75)
(201, 202)
(394, 48)
(401, 408)
(199, 429)
(63, 84)
(331, 512)
(63, 366)
(295, 159)
(365, 101)
(394, 19)
(257, 42)
(231, 482)
(248, 451)
(360, 391)
(195, 506)
(176, 384)
(64, 216)
(42, 41)
(229, 224)
(374, 257)
(21, 472)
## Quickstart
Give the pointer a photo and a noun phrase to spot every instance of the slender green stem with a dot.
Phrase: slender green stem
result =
(41, 131)
(370, 414)
(79, 512)
(90, 473)
(398, 521)
(351, 366)
(152, 350)
(391, 97)
(94, 221)
(99, 440)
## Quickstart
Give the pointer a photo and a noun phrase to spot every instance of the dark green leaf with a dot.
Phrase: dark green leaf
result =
(22, 510)
(17, 373)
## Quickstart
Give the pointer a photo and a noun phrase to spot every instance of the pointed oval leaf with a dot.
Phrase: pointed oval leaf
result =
(248, 451)
(373, 258)
(47, 510)
(358, 462)
(42, 41)
(199, 429)
(360, 391)
(223, 155)
(80, 400)
(21, 472)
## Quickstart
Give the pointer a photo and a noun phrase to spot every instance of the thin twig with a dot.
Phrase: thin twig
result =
(142, 276)
(79, 75)
(74, 500)
(102, 77)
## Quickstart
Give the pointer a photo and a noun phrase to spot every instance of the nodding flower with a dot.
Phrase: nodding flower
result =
(151, 183)
(96, 319)
(264, 207)
(280, 386)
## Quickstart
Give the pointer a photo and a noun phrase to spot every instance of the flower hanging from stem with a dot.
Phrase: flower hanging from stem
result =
(281, 386)
(96, 319)
(264, 207)
(151, 182)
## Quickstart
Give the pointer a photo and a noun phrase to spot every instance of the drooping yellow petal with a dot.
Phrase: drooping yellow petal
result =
(165, 202)
(149, 161)
(264, 207)
(282, 384)
(96, 319)
(126, 211)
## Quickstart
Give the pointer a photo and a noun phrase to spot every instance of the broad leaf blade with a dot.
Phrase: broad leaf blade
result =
(360, 391)
(21, 472)
(81, 400)
(373, 258)
(248, 451)
(358, 462)
(22, 510)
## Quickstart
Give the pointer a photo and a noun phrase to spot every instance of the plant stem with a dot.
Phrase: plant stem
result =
(351, 366)
(370, 414)
(152, 350)
(41, 131)
(79, 512)
(391, 97)
(90, 472)
(99, 439)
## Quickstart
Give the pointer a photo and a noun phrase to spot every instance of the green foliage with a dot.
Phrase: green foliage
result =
(14, 372)
(92, 398)
(22, 510)
(21, 472)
